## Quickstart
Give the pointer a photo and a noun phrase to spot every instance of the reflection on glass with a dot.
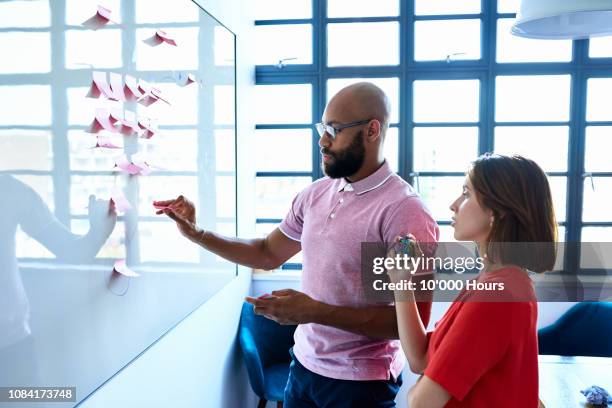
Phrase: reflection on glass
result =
(347, 42)
(182, 109)
(283, 150)
(289, 43)
(86, 49)
(224, 47)
(446, 100)
(155, 249)
(115, 245)
(224, 104)
(389, 85)
(25, 105)
(22, 149)
(42, 186)
(82, 110)
(174, 149)
(226, 196)
(444, 148)
(535, 142)
(283, 104)
(151, 187)
(439, 193)
(598, 99)
(447, 40)
(83, 158)
(600, 47)
(511, 48)
(225, 150)
(77, 11)
(534, 98)
(81, 187)
(165, 57)
(275, 194)
(362, 8)
(429, 7)
(598, 148)
(282, 9)
(27, 14)
(596, 205)
(36, 60)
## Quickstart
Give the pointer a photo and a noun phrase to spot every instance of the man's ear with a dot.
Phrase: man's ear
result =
(374, 129)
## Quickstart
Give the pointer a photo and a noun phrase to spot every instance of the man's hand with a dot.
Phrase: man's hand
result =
(286, 306)
(183, 212)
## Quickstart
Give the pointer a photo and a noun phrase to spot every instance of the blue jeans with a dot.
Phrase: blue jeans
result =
(307, 389)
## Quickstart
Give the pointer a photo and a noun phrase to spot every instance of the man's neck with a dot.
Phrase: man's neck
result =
(365, 171)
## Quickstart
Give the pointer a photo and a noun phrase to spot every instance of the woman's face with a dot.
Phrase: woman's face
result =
(470, 220)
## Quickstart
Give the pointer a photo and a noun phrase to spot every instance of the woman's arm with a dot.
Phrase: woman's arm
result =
(411, 331)
(427, 393)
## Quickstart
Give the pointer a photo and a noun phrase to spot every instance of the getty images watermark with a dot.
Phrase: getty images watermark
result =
(453, 271)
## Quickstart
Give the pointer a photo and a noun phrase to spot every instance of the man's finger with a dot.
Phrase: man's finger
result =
(283, 292)
(164, 202)
(257, 302)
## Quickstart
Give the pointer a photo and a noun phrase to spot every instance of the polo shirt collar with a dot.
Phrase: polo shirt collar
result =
(369, 183)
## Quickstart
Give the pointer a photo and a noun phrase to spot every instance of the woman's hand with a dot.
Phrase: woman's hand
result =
(404, 268)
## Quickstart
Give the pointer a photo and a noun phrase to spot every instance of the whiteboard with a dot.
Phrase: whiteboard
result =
(132, 101)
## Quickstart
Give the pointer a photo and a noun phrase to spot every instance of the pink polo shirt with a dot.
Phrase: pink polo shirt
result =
(331, 218)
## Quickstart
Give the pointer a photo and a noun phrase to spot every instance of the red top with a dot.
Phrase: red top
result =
(485, 354)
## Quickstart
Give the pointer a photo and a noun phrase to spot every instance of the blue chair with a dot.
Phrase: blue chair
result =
(265, 346)
(584, 330)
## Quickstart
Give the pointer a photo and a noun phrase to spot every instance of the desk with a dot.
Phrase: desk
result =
(562, 378)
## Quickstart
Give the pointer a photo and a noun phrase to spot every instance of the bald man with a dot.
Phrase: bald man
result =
(346, 351)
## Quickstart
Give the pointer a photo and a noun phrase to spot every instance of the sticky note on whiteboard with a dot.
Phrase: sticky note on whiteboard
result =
(121, 268)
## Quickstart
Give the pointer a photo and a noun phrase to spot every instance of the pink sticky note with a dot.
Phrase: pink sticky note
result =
(106, 142)
(100, 86)
(165, 37)
(116, 116)
(126, 165)
(148, 97)
(132, 88)
(149, 130)
(144, 167)
(116, 84)
(102, 121)
(129, 123)
(157, 93)
(121, 202)
(100, 19)
(104, 13)
(122, 268)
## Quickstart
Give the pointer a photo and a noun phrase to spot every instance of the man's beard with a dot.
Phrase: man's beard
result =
(347, 162)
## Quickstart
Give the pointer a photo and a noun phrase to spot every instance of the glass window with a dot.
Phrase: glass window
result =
(223, 99)
(289, 43)
(389, 85)
(444, 148)
(351, 44)
(165, 57)
(558, 189)
(275, 194)
(36, 59)
(535, 98)
(283, 104)
(43, 186)
(362, 8)
(25, 105)
(224, 47)
(598, 148)
(81, 187)
(225, 149)
(431, 7)
(600, 47)
(146, 12)
(511, 48)
(182, 106)
(392, 148)
(439, 193)
(77, 11)
(446, 40)
(84, 158)
(87, 49)
(598, 99)
(597, 234)
(82, 110)
(24, 14)
(283, 150)
(26, 149)
(446, 100)
(508, 6)
(535, 143)
(162, 242)
(596, 205)
(597, 253)
(282, 9)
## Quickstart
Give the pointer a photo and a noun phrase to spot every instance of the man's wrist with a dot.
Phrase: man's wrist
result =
(317, 313)
(198, 236)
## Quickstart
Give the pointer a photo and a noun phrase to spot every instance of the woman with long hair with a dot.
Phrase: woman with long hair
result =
(483, 352)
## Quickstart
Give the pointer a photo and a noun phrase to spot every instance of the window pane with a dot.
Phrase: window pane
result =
(164, 57)
(28, 247)
(226, 198)
(534, 142)
(283, 104)
(439, 193)
(598, 99)
(223, 104)
(283, 150)
(291, 43)
(392, 148)
(282, 9)
(537, 98)
(84, 158)
(87, 49)
(429, 7)
(148, 12)
(24, 14)
(176, 149)
(600, 47)
(183, 108)
(82, 110)
(596, 255)
(596, 206)
(224, 47)
(169, 186)
(444, 148)
(22, 149)
(558, 189)
(161, 242)
(446, 100)
(389, 85)
(362, 8)
(81, 187)
(43, 186)
(598, 148)
(446, 40)
(275, 194)
(508, 6)
(25, 105)
(348, 44)
(36, 59)
(225, 149)
(511, 48)
(114, 247)
(596, 234)
(77, 11)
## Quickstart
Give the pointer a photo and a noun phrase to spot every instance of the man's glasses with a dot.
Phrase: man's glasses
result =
(332, 131)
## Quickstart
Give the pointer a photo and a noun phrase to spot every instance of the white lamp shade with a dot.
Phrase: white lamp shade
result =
(563, 19)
